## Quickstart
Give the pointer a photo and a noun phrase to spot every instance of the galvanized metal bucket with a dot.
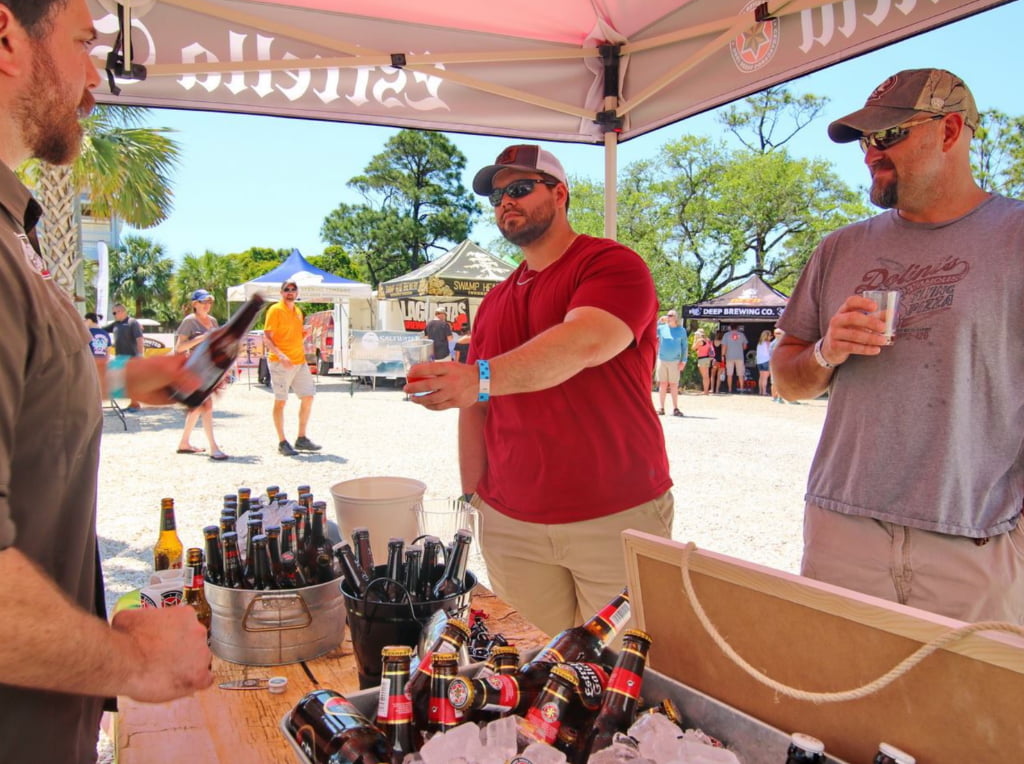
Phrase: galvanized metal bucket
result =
(271, 628)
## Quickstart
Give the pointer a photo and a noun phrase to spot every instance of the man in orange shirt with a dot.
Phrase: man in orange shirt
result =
(283, 334)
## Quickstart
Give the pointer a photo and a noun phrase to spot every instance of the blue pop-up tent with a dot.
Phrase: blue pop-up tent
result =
(315, 285)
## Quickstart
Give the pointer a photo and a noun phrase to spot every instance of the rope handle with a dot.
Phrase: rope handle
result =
(863, 691)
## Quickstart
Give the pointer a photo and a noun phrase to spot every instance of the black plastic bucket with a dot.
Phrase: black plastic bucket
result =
(375, 625)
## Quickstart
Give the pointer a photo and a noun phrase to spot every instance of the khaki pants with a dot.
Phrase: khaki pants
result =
(948, 575)
(558, 576)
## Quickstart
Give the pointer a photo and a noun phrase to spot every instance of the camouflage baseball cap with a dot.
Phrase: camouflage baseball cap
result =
(904, 96)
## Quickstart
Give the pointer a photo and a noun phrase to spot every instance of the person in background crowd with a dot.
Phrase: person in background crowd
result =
(101, 339)
(734, 349)
(672, 348)
(916, 489)
(283, 333)
(764, 355)
(705, 352)
(777, 335)
(462, 346)
(560, 376)
(60, 656)
(190, 333)
(439, 331)
(128, 342)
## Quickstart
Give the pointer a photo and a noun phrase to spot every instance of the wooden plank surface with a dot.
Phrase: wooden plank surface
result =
(960, 704)
(218, 725)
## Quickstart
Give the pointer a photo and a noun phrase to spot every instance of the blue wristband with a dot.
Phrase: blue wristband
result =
(116, 376)
(485, 381)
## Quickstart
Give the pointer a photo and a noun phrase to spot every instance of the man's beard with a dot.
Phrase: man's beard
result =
(885, 194)
(536, 224)
(49, 123)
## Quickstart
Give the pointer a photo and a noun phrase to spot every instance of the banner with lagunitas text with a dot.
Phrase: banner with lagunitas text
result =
(416, 314)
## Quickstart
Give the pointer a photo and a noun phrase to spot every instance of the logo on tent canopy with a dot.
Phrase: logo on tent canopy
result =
(755, 46)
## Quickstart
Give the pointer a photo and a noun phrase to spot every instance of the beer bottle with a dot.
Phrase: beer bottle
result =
(669, 710)
(394, 711)
(244, 500)
(273, 534)
(441, 714)
(890, 754)
(168, 549)
(227, 523)
(350, 570)
(301, 523)
(504, 659)
(543, 720)
(804, 749)
(451, 639)
(329, 729)
(262, 578)
(272, 491)
(291, 573)
(233, 578)
(453, 581)
(211, 359)
(413, 563)
(395, 576)
(194, 595)
(324, 568)
(214, 572)
(315, 541)
(432, 567)
(618, 705)
(587, 642)
(230, 504)
(288, 540)
(255, 528)
(302, 490)
(363, 552)
(496, 695)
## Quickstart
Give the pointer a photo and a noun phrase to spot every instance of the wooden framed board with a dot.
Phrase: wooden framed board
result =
(964, 703)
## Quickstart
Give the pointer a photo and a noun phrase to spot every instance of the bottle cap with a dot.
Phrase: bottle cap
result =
(807, 743)
(894, 753)
(277, 684)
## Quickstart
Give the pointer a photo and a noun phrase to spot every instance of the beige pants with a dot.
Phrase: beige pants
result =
(949, 575)
(557, 576)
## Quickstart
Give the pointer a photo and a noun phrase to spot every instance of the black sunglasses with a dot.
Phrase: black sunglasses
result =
(886, 139)
(289, 289)
(517, 189)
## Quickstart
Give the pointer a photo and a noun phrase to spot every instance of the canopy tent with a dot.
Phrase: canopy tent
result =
(315, 285)
(590, 71)
(753, 300)
(464, 271)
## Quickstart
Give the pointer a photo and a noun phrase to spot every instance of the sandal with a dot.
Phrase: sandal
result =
(191, 450)
(219, 456)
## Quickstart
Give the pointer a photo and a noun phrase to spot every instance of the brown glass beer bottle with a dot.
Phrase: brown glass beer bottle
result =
(441, 714)
(451, 639)
(194, 595)
(168, 549)
(588, 641)
(394, 710)
(804, 749)
(330, 730)
(214, 568)
(543, 719)
(233, 578)
(618, 705)
(453, 581)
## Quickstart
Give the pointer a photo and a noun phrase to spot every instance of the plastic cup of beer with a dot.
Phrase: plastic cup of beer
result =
(888, 302)
(415, 352)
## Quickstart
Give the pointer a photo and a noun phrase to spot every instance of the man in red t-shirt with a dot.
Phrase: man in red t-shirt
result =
(558, 437)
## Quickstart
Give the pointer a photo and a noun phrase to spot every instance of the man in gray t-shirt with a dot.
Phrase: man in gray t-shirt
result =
(734, 351)
(916, 488)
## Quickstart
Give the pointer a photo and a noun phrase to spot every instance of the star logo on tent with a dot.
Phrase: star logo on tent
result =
(756, 45)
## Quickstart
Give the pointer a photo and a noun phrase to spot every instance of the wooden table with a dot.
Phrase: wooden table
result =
(217, 725)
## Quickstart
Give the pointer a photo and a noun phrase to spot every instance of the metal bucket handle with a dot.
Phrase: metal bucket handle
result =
(261, 597)
(407, 597)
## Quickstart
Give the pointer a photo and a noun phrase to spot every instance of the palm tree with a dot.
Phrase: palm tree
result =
(207, 271)
(140, 275)
(125, 169)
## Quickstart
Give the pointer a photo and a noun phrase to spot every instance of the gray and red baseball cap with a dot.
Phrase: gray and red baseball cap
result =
(527, 157)
(906, 96)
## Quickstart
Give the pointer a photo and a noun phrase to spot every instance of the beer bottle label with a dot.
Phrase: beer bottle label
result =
(393, 709)
(545, 721)
(625, 682)
(508, 692)
(616, 616)
(592, 681)
(442, 712)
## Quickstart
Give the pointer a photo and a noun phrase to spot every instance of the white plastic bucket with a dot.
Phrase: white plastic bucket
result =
(387, 506)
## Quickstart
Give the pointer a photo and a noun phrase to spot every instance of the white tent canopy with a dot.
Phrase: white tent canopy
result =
(590, 71)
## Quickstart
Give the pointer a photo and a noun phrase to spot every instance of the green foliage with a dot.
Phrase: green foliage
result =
(415, 206)
(337, 261)
(209, 271)
(140, 276)
(256, 261)
(997, 153)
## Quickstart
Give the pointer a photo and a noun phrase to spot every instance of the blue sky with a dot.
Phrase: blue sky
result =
(249, 181)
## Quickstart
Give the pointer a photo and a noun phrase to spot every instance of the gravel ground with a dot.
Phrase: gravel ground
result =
(739, 463)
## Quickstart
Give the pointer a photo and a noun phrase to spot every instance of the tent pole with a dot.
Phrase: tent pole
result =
(611, 152)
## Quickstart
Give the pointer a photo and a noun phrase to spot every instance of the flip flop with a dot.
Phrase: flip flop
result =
(219, 456)
(191, 450)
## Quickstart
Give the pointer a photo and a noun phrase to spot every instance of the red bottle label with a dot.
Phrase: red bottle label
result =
(545, 722)
(399, 709)
(616, 616)
(625, 682)
(442, 712)
(592, 681)
(508, 692)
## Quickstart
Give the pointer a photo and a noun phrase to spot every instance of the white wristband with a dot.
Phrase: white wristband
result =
(822, 362)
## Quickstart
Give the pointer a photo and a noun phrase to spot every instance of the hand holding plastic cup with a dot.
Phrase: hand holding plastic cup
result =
(888, 302)
(416, 352)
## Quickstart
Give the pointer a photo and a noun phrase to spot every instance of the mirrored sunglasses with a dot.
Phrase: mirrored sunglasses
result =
(517, 189)
(886, 139)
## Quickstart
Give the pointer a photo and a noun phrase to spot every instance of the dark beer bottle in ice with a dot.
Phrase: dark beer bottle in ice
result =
(804, 749)
(394, 710)
(453, 636)
(588, 641)
(329, 729)
(214, 569)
